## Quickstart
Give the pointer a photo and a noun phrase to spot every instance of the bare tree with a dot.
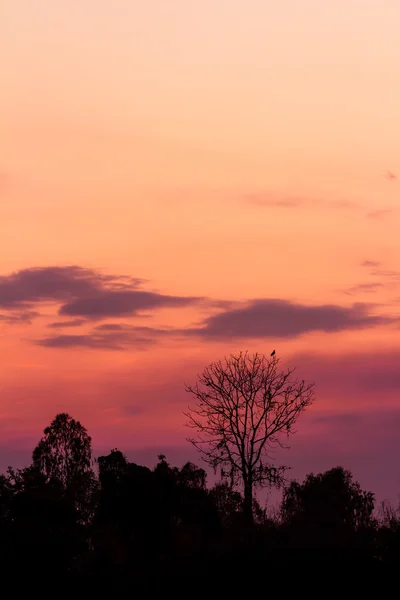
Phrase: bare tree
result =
(243, 408)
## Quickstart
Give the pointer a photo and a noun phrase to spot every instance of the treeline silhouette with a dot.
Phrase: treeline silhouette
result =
(112, 521)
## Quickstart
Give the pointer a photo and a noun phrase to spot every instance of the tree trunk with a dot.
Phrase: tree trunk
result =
(248, 502)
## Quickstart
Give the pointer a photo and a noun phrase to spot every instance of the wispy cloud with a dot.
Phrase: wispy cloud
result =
(370, 263)
(66, 324)
(383, 279)
(378, 214)
(23, 316)
(120, 341)
(366, 288)
(387, 274)
(108, 336)
(260, 200)
(274, 200)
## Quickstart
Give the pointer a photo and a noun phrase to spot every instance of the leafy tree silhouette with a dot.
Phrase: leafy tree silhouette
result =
(64, 454)
(329, 511)
(43, 526)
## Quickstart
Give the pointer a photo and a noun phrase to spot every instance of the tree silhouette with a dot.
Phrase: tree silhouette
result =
(156, 527)
(65, 452)
(330, 500)
(112, 468)
(43, 528)
(192, 477)
(330, 515)
(243, 407)
(229, 502)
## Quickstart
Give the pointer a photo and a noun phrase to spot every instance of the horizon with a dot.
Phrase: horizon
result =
(182, 182)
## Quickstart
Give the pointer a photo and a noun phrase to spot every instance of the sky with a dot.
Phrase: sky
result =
(186, 179)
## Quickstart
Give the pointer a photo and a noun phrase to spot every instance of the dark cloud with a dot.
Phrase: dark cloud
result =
(110, 327)
(280, 319)
(30, 286)
(110, 303)
(258, 319)
(81, 293)
(86, 296)
(63, 324)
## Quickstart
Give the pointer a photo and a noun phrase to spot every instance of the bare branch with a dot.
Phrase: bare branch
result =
(243, 408)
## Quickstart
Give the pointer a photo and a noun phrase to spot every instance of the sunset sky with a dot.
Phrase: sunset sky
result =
(184, 179)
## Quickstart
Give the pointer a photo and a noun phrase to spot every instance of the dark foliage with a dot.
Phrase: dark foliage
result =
(126, 527)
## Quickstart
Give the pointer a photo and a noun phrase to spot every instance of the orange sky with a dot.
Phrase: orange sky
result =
(235, 151)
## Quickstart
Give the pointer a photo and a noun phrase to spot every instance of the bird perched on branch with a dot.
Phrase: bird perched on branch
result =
(273, 353)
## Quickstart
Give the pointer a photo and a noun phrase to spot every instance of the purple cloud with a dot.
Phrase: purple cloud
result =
(258, 319)
(86, 296)
(63, 324)
(95, 341)
(23, 316)
(81, 293)
(280, 319)
(30, 286)
(110, 303)
(108, 336)
(110, 327)
(388, 279)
